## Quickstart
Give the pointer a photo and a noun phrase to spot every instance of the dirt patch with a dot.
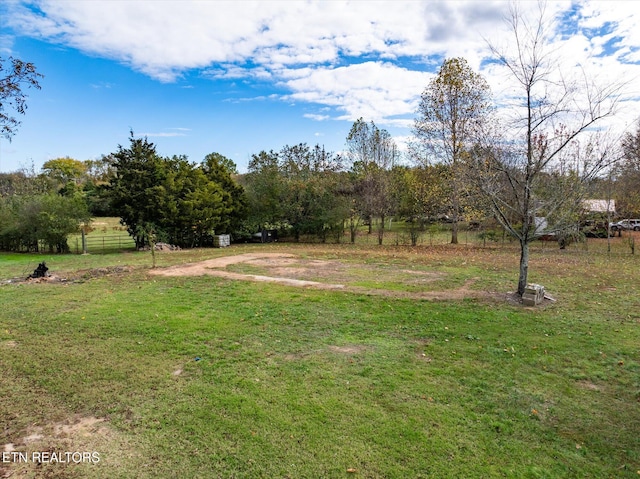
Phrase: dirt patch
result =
(52, 278)
(588, 385)
(215, 267)
(81, 446)
(293, 271)
(9, 344)
(101, 272)
(298, 356)
(348, 349)
(77, 277)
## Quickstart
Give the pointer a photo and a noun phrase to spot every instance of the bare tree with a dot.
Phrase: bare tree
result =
(372, 153)
(627, 176)
(542, 161)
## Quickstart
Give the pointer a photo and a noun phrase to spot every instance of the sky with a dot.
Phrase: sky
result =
(239, 77)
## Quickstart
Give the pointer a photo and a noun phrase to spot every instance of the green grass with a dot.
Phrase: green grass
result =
(306, 383)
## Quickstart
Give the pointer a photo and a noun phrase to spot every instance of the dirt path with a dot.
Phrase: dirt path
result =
(284, 263)
(215, 267)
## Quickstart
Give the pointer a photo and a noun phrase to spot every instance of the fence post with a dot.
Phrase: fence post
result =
(84, 243)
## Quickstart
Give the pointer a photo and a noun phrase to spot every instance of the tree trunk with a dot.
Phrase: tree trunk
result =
(353, 229)
(524, 266)
(455, 198)
(381, 231)
(454, 231)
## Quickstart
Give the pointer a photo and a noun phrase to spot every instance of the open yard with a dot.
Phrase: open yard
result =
(308, 361)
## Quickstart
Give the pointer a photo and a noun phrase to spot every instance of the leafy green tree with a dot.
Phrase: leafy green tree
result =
(328, 184)
(65, 170)
(197, 207)
(28, 221)
(59, 216)
(10, 234)
(311, 204)
(137, 191)
(223, 171)
(296, 188)
(15, 76)
(175, 200)
(452, 109)
(422, 195)
(264, 185)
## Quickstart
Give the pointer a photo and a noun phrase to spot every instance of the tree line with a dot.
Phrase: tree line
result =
(466, 161)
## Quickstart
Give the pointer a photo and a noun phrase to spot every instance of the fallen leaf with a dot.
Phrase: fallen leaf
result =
(352, 470)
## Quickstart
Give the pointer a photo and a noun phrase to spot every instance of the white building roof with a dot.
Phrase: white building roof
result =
(600, 206)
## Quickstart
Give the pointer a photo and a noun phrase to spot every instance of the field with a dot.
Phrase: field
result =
(106, 235)
(366, 362)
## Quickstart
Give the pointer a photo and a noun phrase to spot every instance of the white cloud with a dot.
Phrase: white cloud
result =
(164, 134)
(368, 59)
(6, 44)
(163, 39)
(313, 116)
(372, 90)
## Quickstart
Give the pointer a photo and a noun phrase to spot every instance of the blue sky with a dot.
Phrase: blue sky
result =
(240, 77)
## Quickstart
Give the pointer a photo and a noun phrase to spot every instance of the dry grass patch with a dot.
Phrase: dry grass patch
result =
(80, 446)
(348, 349)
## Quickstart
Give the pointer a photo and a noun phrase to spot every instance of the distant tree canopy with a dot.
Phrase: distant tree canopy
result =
(65, 169)
(171, 198)
(627, 176)
(30, 222)
(297, 190)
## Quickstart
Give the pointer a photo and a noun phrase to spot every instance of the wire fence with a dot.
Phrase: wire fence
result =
(101, 244)
(620, 245)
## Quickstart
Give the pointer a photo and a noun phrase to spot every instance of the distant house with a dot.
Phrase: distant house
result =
(600, 206)
(540, 224)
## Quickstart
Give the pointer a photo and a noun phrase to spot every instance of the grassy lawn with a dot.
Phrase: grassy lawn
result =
(307, 383)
